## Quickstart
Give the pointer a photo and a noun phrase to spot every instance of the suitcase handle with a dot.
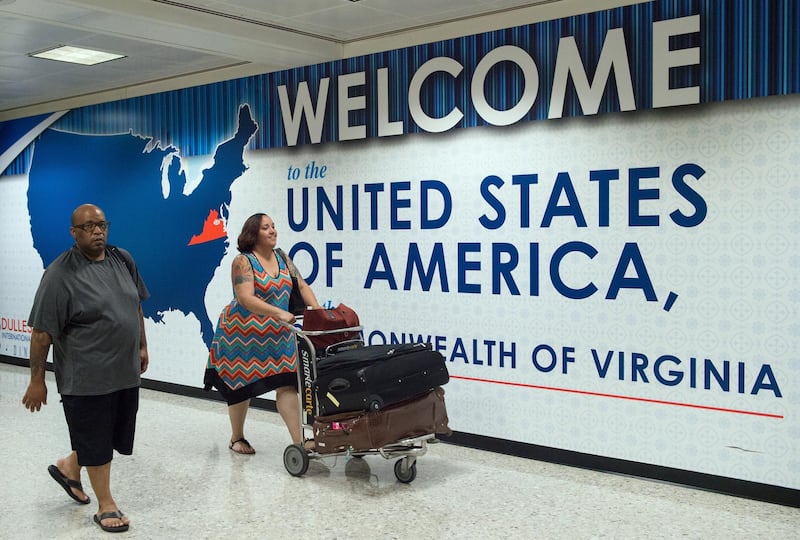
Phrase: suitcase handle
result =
(339, 385)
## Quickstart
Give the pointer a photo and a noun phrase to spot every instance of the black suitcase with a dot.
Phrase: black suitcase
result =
(372, 377)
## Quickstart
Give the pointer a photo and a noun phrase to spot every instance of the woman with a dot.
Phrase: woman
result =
(252, 351)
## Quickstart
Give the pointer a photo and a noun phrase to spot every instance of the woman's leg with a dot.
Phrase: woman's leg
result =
(237, 414)
(288, 404)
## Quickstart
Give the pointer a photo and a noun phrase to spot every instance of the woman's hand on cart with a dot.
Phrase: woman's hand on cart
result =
(287, 317)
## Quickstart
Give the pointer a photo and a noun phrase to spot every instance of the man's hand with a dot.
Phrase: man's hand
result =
(35, 396)
(144, 359)
(144, 356)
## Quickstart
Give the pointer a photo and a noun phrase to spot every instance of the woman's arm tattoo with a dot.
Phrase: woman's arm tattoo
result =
(242, 271)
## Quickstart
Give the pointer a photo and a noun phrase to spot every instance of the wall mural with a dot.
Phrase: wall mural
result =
(607, 256)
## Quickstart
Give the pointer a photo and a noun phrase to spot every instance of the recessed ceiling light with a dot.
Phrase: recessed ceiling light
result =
(76, 55)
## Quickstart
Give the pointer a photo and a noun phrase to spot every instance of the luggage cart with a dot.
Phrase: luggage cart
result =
(296, 457)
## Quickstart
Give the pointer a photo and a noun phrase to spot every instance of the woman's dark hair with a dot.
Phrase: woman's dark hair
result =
(247, 238)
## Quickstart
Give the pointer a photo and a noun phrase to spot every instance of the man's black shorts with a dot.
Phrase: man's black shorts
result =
(98, 425)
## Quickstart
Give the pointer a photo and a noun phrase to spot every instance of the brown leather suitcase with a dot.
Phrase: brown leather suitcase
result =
(377, 429)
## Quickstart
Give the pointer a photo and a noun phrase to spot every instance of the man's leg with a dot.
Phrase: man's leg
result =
(100, 477)
(68, 466)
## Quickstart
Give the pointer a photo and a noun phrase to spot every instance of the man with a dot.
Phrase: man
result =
(88, 306)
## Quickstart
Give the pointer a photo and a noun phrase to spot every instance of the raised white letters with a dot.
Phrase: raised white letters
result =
(568, 62)
(664, 59)
(529, 71)
(347, 104)
(303, 106)
(568, 65)
(432, 125)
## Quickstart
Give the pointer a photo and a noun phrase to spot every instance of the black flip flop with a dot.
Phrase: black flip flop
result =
(106, 515)
(245, 443)
(68, 484)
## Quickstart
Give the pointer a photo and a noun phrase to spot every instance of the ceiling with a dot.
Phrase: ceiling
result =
(178, 43)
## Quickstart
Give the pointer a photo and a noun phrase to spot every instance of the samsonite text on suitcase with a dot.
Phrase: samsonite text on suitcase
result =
(370, 378)
(371, 430)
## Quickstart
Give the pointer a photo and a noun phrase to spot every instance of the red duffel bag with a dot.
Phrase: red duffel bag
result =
(332, 330)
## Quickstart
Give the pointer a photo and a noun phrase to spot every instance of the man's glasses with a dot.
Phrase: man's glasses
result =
(90, 225)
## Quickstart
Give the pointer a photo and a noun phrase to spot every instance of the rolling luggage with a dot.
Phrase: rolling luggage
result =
(425, 415)
(372, 377)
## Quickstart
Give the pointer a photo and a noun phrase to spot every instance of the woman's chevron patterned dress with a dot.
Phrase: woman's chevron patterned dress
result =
(252, 354)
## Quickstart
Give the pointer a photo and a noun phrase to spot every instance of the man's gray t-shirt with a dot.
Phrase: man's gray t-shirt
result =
(91, 311)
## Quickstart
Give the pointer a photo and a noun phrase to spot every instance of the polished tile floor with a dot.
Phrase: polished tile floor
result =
(183, 482)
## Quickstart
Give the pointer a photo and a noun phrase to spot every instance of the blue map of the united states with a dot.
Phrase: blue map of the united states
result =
(178, 240)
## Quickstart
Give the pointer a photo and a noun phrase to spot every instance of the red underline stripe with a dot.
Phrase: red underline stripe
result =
(615, 396)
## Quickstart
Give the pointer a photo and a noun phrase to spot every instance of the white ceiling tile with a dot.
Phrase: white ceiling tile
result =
(352, 18)
(170, 39)
(275, 9)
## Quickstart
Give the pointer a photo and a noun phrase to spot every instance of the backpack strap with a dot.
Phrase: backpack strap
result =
(296, 303)
(125, 257)
(288, 262)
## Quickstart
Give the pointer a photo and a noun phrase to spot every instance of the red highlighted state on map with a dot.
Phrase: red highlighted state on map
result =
(213, 229)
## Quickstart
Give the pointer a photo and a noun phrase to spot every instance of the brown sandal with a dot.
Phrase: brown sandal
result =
(247, 446)
(110, 528)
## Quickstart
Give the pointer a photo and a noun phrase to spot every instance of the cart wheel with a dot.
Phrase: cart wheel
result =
(356, 466)
(295, 459)
(403, 472)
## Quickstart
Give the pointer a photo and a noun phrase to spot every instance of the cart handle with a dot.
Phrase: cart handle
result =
(300, 331)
